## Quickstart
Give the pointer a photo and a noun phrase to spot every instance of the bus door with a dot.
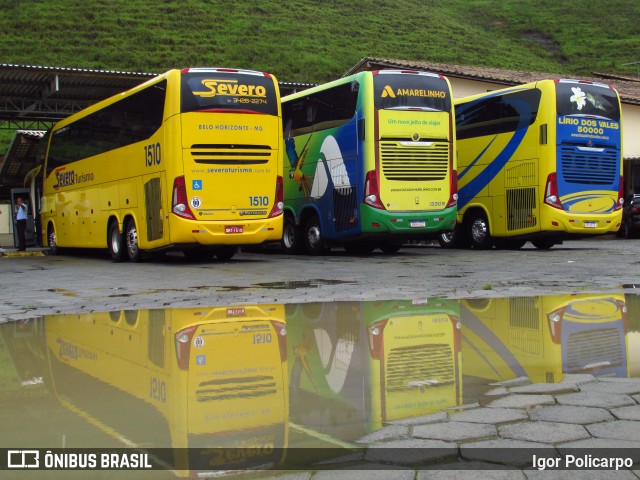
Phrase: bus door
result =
(25, 194)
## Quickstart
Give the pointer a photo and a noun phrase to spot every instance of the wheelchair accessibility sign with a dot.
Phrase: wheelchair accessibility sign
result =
(196, 184)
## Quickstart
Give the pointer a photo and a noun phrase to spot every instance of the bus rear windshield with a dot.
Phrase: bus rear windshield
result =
(228, 91)
(410, 90)
(587, 99)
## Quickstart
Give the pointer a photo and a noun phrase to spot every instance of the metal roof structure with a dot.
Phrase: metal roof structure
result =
(34, 97)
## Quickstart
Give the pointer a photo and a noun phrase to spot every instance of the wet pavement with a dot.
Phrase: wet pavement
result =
(417, 389)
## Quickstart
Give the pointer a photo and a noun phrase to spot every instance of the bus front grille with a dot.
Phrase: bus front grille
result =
(420, 365)
(405, 161)
(590, 349)
(588, 167)
(231, 154)
(242, 387)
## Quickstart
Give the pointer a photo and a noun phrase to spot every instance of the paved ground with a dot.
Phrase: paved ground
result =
(36, 285)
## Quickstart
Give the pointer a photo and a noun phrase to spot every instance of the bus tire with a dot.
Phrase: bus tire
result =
(290, 236)
(51, 240)
(478, 231)
(359, 248)
(390, 247)
(452, 238)
(313, 242)
(509, 243)
(225, 253)
(543, 243)
(131, 239)
(115, 243)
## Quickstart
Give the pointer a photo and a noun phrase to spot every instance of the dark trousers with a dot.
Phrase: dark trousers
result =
(22, 241)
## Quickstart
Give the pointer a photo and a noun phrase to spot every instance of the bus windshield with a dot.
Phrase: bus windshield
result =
(401, 91)
(574, 98)
(224, 90)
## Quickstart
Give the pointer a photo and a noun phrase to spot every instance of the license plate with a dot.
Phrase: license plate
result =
(417, 224)
(234, 229)
(590, 224)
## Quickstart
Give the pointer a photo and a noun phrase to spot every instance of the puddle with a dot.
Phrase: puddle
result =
(287, 285)
(313, 378)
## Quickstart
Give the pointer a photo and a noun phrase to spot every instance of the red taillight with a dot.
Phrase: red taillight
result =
(551, 192)
(620, 202)
(281, 332)
(376, 339)
(622, 306)
(183, 346)
(278, 204)
(371, 191)
(180, 203)
(453, 189)
(555, 324)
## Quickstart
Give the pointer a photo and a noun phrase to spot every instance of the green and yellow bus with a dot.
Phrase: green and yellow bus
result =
(356, 365)
(189, 160)
(206, 387)
(369, 162)
(538, 162)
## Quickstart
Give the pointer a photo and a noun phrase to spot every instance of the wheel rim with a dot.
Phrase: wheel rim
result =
(447, 237)
(288, 236)
(51, 238)
(479, 230)
(313, 237)
(132, 241)
(115, 240)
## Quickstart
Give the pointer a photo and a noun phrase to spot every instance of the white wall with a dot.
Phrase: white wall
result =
(5, 219)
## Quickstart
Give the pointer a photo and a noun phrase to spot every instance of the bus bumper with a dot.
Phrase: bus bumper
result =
(554, 220)
(245, 232)
(374, 220)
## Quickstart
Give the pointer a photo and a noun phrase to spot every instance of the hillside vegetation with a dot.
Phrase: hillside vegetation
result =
(315, 41)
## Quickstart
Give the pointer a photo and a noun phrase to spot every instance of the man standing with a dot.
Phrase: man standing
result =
(21, 224)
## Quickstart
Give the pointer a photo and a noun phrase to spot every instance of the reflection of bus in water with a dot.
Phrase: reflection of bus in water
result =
(543, 338)
(207, 384)
(355, 365)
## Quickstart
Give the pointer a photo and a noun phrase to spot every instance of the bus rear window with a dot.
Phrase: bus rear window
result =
(202, 90)
(410, 90)
(586, 99)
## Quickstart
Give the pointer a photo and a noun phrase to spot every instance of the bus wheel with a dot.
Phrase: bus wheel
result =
(51, 240)
(509, 244)
(226, 253)
(313, 241)
(390, 247)
(478, 232)
(543, 243)
(116, 248)
(290, 236)
(452, 238)
(359, 248)
(131, 238)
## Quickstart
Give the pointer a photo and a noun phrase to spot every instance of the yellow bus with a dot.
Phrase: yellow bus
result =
(369, 162)
(537, 162)
(206, 388)
(543, 338)
(189, 160)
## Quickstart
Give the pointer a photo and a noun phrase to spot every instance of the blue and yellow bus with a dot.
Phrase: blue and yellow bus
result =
(369, 162)
(537, 162)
